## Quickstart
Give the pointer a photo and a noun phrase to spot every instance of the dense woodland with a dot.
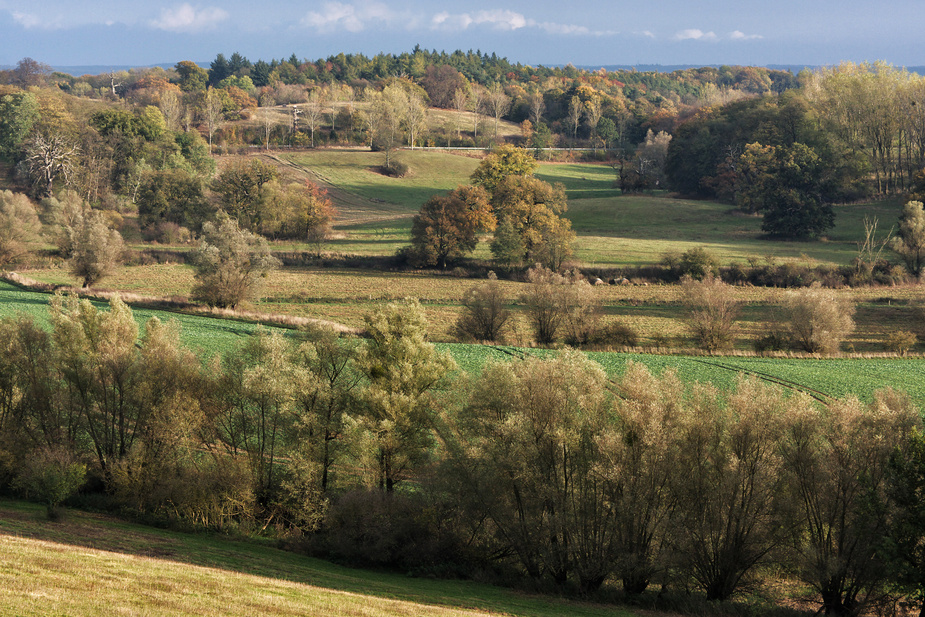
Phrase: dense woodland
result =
(373, 451)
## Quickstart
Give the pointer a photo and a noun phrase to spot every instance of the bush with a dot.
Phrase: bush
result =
(51, 475)
(485, 313)
(695, 263)
(773, 341)
(901, 341)
(614, 334)
(819, 320)
(394, 169)
(711, 311)
(229, 263)
(408, 531)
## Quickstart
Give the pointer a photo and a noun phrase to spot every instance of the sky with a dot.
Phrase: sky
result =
(539, 32)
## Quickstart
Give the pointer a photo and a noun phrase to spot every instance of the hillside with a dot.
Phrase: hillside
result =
(91, 564)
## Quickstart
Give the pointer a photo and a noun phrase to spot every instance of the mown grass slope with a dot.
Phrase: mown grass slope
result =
(90, 564)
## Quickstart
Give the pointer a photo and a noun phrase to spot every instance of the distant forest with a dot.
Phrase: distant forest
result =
(847, 132)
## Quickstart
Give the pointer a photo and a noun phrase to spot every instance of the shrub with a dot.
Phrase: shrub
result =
(485, 313)
(19, 225)
(97, 248)
(695, 263)
(395, 169)
(775, 340)
(901, 341)
(372, 528)
(615, 334)
(711, 311)
(555, 302)
(819, 320)
(229, 263)
(51, 475)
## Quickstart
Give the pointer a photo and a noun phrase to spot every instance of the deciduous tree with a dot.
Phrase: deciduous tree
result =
(506, 160)
(446, 226)
(910, 243)
(403, 371)
(229, 263)
(19, 225)
(96, 248)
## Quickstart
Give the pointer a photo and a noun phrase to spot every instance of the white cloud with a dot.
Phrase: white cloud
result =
(695, 35)
(738, 35)
(505, 20)
(648, 34)
(553, 28)
(30, 21)
(349, 17)
(186, 18)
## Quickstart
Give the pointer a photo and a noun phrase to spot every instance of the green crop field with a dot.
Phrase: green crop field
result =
(207, 336)
(836, 377)
(824, 378)
(90, 564)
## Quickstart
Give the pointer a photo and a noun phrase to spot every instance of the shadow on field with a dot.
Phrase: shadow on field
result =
(261, 558)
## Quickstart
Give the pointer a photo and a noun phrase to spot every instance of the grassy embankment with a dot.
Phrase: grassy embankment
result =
(90, 564)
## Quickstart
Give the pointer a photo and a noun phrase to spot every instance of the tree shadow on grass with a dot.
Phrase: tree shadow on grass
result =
(262, 558)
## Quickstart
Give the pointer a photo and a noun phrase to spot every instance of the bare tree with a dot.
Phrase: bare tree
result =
(460, 102)
(172, 107)
(314, 109)
(29, 72)
(476, 104)
(498, 103)
(592, 113)
(268, 120)
(49, 157)
(415, 116)
(574, 116)
(819, 320)
(711, 311)
(485, 313)
(212, 112)
(537, 107)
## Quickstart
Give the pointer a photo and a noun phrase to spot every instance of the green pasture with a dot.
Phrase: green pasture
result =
(581, 180)
(91, 564)
(633, 230)
(613, 230)
(356, 172)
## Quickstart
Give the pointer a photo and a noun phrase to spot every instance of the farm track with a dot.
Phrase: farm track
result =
(820, 396)
(351, 208)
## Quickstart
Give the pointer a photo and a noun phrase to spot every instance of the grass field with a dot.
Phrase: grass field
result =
(89, 564)
(614, 230)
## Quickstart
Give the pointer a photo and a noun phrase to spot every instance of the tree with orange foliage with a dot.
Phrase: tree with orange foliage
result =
(446, 227)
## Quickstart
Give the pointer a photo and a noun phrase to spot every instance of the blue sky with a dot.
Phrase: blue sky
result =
(581, 32)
